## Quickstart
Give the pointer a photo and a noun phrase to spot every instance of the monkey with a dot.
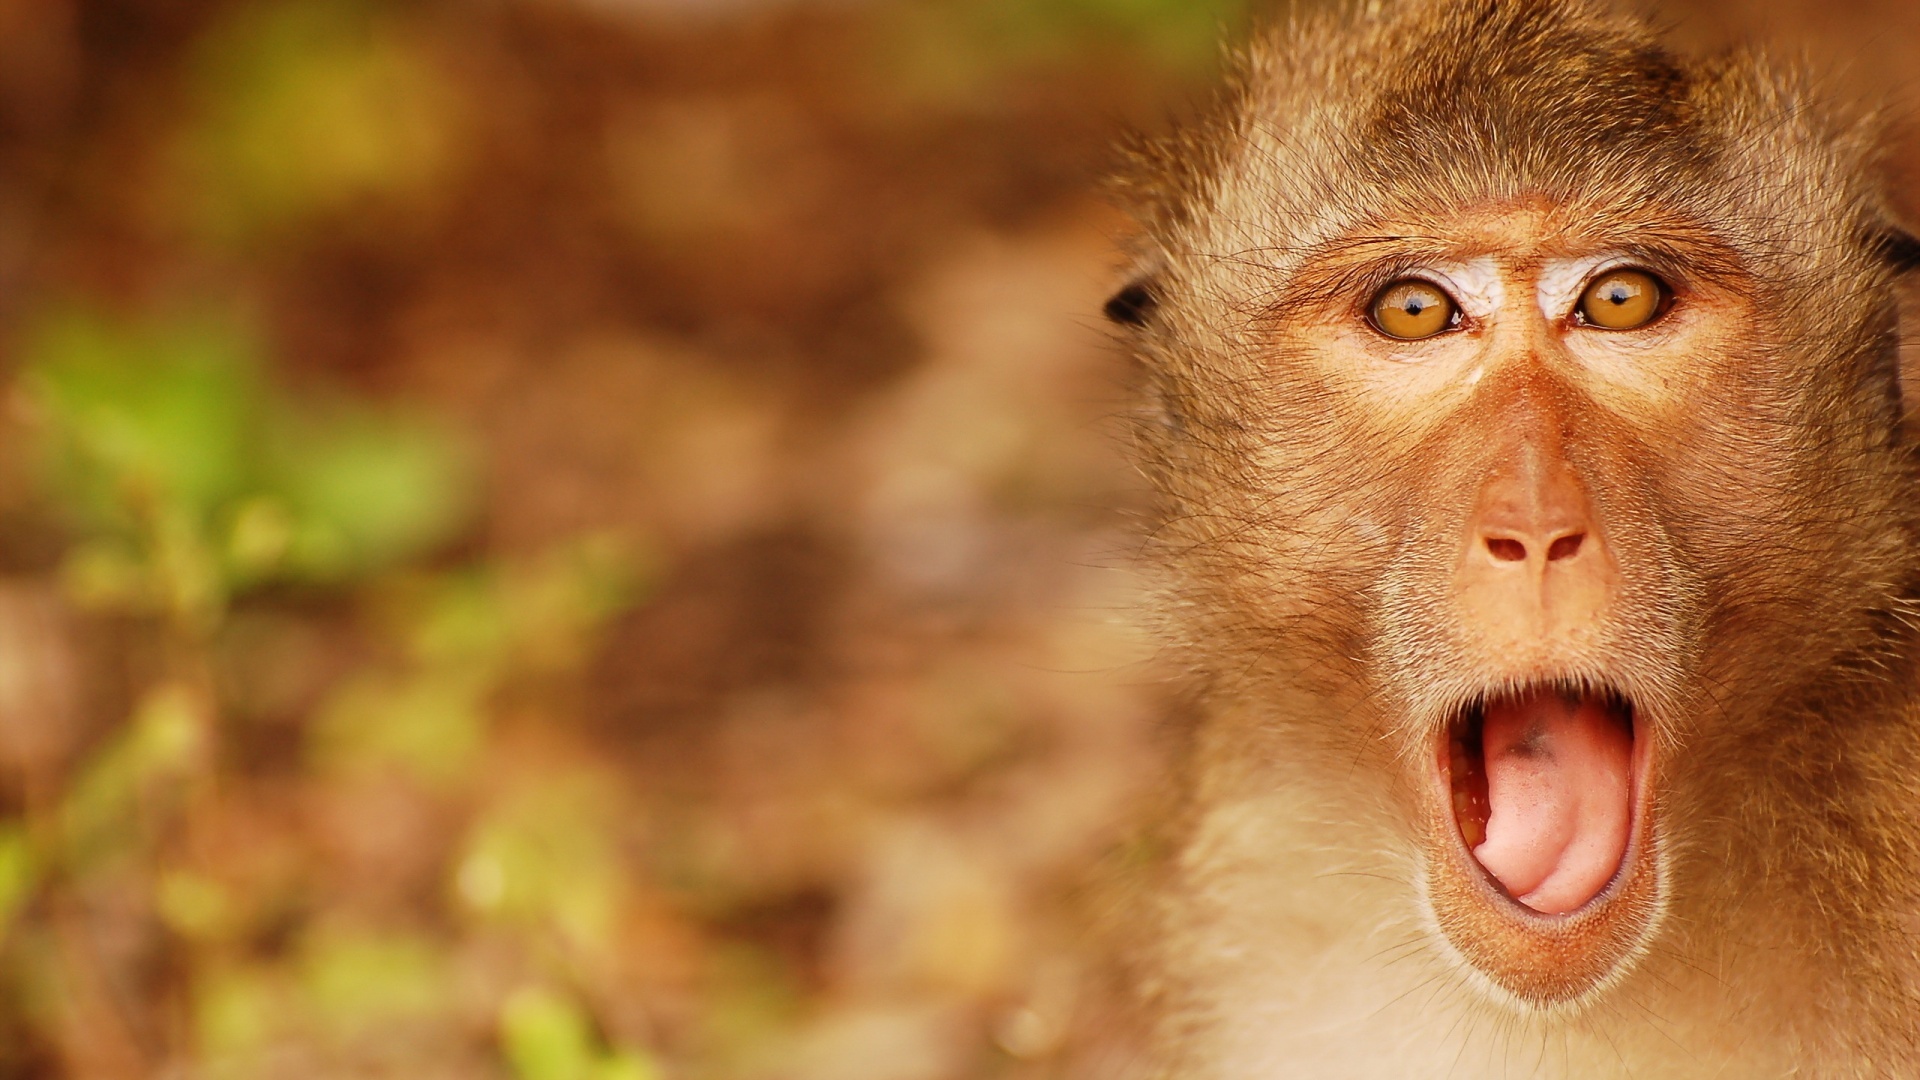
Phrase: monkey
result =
(1536, 523)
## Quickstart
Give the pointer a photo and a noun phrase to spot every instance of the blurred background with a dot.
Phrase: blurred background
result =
(585, 539)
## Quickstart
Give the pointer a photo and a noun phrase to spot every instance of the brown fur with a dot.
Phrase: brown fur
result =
(1762, 496)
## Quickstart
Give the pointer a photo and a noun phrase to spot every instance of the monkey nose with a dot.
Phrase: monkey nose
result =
(1532, 509)
(1535, 565)
(1510, 545)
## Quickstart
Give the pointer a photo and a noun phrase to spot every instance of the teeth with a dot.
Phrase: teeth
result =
(1470, 805)
(1472, 831)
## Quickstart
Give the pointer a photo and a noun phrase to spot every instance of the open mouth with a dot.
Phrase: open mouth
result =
(1553, 880)
(1543, 791)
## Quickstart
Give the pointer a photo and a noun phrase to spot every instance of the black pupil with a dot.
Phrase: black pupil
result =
(1618, 294)
(1415, 305)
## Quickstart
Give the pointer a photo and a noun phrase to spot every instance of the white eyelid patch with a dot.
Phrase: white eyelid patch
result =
(1474, 285)
(1561, 281)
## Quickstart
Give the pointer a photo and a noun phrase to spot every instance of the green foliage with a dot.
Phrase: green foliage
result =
(431, 725)
(544, 857)
(142, 417)
(194, 905)
(137, 771)
(468, 632)
(360, 491)
(18, 874)
(235, 1012)
(354, 981)
(342, 986)
(189, 479)
(309, 107)
(548, 1037)
(536, 613)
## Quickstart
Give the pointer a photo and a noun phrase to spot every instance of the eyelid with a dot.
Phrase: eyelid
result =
(1475, 287)
(1562, 284)
(1378, 284)
(1377, 308)
(1663, 298)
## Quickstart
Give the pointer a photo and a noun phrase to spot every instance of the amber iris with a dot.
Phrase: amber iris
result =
(1622, 300)
(1412, 309)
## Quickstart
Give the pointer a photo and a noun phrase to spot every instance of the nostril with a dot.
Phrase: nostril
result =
(1566, 547)
(1506, 550)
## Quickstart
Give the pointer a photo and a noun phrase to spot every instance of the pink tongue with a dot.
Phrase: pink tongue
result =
(1558, 782)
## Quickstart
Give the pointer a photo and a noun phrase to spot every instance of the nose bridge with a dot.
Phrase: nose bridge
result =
(1536, 566)
(1532, 493)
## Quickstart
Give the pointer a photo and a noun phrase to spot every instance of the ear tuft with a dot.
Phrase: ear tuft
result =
(1132, 305)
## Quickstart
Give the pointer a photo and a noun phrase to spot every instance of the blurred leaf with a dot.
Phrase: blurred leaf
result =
(465, 628)
(461, 618)
(18, 874)
(310, 106)
(107, 574)
(556, 604)
(189, 478)
(140, 418)
(194, 905)
(545, 856)
(166, 732)
(353, 493)
(235, 1011)
(629, 1065)
(185, 571)
(431, 724)
(549, 1037)
(357, 981)
(546, 1037)
(262, 531)
(543, 612)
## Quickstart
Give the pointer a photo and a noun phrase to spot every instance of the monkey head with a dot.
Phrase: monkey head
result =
(1526, 398)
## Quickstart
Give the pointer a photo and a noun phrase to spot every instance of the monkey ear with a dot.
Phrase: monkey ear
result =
(1899, 248)
(1132, 305)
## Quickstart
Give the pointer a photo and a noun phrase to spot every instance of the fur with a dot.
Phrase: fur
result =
(1771, 532)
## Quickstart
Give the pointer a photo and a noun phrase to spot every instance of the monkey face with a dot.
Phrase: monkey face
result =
(1532, 627)
(1495, 482)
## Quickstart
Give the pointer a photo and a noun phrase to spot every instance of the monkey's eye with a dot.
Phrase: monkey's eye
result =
(1623, 299)
(1411, 309)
